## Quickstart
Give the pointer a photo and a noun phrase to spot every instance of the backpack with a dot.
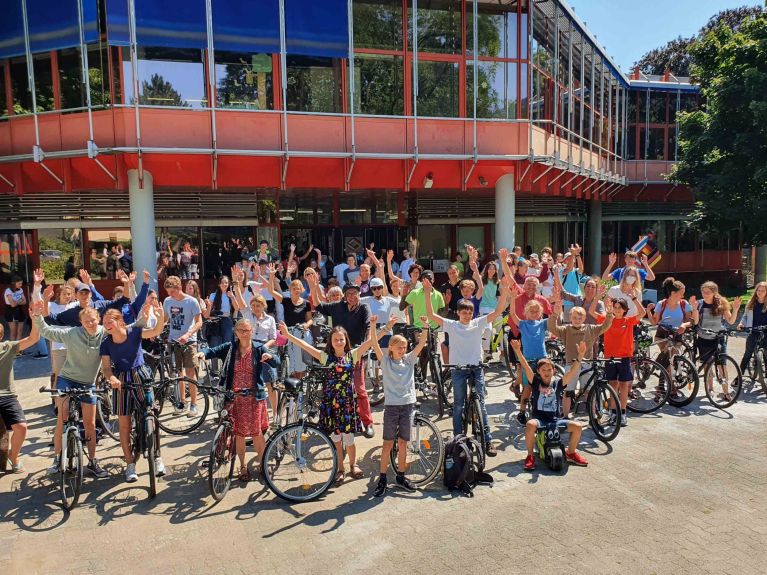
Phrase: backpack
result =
(463, 468)
(682, 303)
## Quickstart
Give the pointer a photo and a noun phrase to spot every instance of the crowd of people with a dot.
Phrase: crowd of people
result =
(265, 302)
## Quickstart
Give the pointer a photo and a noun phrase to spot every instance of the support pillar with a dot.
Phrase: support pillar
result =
(504, 212)
(143, 240)
(594, 253)
(760, 264)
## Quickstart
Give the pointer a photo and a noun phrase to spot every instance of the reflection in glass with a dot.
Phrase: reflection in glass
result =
(491, 90)
(378, 24)
(432, 244)
(22, 98)
(491, 28)
(222, 248)
(306, 207)
(439, 26)
(314, 84)
(378, 85)
(244, 81)
(438, 87)
(61, 253)
(167, 77)
(658, 107)
(355, 207)
(71, 78)
(15, 256)
(108, 251)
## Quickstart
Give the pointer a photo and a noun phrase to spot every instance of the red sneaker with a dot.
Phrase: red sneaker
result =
(530, 463)
(575, 458)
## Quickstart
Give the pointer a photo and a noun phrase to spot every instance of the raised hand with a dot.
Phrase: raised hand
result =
(132, 276)
(503, 253)
(85, 277)
(736, 302)
(38, 275)
(644, 260)
(601, 289)
(147, 277)
(693, 301)
(48, 293)
(516, 345)
(575, 249)
(374, 319)
(389, 255)
(424, 320)
(612, 258)
(427, 287)
(283, 328)
(37, 308)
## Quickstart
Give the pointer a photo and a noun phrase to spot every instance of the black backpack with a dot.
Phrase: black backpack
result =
(463, 468)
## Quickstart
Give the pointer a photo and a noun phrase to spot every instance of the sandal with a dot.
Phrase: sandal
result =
(357, 473)
(339, 478)
(244, 475)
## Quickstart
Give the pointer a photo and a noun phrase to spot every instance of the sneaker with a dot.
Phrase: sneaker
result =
(530, 462)
(96, 470)
(576, 458)
(613, 418)
(624, 420)
(180, 409)
(369, 432)
(406, 484)
(17, 467)
(193, 411)
(130, 473)
(380, 490)
(490, 450)
(159, 467)
(56, 466)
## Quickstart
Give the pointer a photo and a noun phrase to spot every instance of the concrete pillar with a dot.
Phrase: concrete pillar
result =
(504, 212)
(760, 264)
(594, 247)
(143, 241)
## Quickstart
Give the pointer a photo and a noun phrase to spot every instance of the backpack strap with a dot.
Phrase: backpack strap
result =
(461, 479)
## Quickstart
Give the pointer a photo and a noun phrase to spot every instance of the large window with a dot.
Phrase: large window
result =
(244, 81)
(434, 243)
(167, 77)
(314, 84)
(224, 247)
(15, 255)
(104, 253)
(439, 26)
(60, 252)
(378, 85)
(71, 79)
(3, 93)
(306, 207)
(22, 97)
(438, 85)
(378, 24)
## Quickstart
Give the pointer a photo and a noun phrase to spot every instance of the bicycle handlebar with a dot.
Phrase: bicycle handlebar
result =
(466, 366)
(74, 392)
(718, 332)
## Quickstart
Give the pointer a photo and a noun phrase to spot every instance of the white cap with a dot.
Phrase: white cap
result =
(376, 282)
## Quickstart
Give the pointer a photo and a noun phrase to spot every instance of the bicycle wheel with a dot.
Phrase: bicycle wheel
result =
(221, 462)
(650, 388)
(374, 384)
(151, 454)
(284, 370)
(174, 419)
(684, 381)
(507, 357)
(723, 381)
(104, 416)
(425, 452)
(478, 430)
(761, 364)
(71, 472)
(604, 411)
(306, 469)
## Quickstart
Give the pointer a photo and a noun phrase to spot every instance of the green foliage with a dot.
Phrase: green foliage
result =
(723, 148)
(159, 92)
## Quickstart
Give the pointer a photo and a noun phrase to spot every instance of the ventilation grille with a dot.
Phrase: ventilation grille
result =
(649, 209)
(484, 207)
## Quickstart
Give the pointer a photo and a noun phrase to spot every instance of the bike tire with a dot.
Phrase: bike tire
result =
(221, 462)
(604, 419)
(151, 454)
(478, 430)
(71, 471)
(425, 452)
(167, 393)
(684, 382)
(135, 443)
(716, 385)
(507, 351)
(374, 385)
(106, 419)
(299, 475)
(650, 387)
(761, 365)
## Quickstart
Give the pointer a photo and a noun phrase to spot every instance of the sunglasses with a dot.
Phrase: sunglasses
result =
(376, 288)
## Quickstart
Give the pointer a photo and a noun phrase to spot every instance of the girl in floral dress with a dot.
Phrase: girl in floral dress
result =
(338, 410)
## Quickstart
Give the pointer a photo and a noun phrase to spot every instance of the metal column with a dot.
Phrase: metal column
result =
(142, 225)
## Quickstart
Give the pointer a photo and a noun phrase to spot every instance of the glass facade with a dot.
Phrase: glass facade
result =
(60, 252)
(652, 128)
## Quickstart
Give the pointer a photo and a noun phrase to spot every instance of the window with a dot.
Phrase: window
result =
(306, 207)
(386, 209)
(496, 90)
(378, 24)
(434, 243)
(266, 207)
(15, 255)
(3, 93)
(439, 26)
(685, 238)
(654, 147)
(71, 79)
(314, 84)
(379, 85)
(167, 77)
(178, 238)
(523, 91)
(104, 249)
(60, 252)
(244, 81)
(631, 151)
(658, 107)
(22, 97)
(438, 89)
(222, 248)
(355, 208)
(492, 31)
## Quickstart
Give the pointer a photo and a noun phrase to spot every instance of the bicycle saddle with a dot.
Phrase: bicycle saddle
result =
(292, 385)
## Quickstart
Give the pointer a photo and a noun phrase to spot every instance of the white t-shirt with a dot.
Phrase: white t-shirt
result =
(13, 296)
(338, 272)
(57, 308)
(396, 312)
(465, 340)
(383, 308)
(616, 293)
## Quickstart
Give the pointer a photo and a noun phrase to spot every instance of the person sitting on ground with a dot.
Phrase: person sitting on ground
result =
(546, 393)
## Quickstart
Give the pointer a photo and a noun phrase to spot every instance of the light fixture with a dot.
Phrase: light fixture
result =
(482, 181)
(428, 181)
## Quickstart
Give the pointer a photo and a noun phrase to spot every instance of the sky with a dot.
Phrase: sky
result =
(630, 28)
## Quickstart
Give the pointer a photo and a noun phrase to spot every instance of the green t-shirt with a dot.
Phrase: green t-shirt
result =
(417, 299)
(8, 351)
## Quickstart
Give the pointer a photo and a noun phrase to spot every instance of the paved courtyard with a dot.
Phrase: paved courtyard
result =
(680, 491)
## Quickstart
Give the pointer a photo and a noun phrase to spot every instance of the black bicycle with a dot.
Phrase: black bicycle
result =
(441, 381)
(425, 451)
(681, 371)
(472, 410)
(651, 386)
(145, 431)
(601, 401)
(757, 367)
(722, 378)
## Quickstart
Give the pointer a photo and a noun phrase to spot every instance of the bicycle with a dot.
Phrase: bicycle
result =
(425, 451)
(373, 379)
(300, 460)
(758, 364)
(72, 439)
(601, 400)
(104, 409)
(651, 385)
(145, 433)
(441, 382)
(682, 373)
(721, 388)
(287, 411)
(472, 411)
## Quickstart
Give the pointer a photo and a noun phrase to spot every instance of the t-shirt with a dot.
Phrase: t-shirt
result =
(264, 329)
(383, 307)
(417, 299)
(350, 275)
(572, 283)
(580, 301)
(617, 275)
(399, 379)
(57, 308)
(616, 293)
(465, 340)
(126, 355)
(355, 321)
(8, 351)
(181, 314)
(519, 307)
(490, 295)
(15, 296)
(709, 321)
(226, 304)
(533, 333)
(294, 313)
(671, 318)
(619, 339)
(396, 312)
(546, 401)
(339, 271)
(455, 295)
(404, 269)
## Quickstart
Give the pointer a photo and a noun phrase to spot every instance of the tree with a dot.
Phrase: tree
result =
(158, 92)
(723, 147)
(675, 55)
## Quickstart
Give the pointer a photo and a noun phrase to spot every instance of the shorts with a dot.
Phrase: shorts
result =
(13, 314)
(58, 357)
(66, 384)
(619, 371)
(533, 365)
(398, 421)
(186, 357)
(542, 423)
(10, 411)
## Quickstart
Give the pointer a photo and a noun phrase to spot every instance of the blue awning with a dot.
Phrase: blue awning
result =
(246, 27)
(315, 28)
(53, 24)
(118, 33)
(161, 23)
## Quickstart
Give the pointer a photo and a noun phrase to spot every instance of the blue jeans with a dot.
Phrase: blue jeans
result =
(42, 347)
(460, 379)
